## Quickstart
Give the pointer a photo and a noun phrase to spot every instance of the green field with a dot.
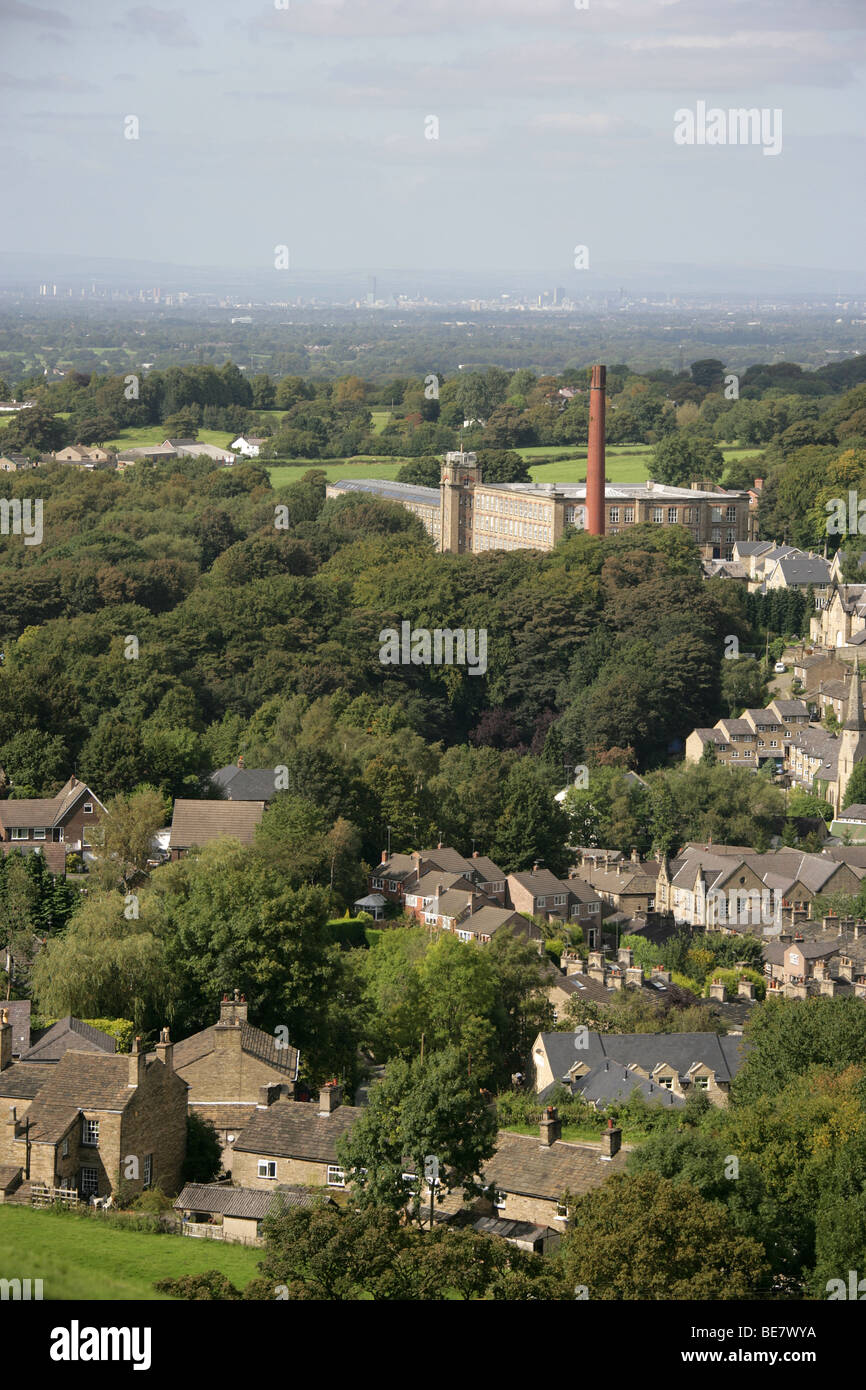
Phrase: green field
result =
(155, 434)
(84, 1257)
(380, 419)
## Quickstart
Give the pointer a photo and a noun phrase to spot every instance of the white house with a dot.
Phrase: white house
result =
(248, 445)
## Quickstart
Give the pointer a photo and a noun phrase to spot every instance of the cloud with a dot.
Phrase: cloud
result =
(59, 82)
(167, 27)
(13, 12)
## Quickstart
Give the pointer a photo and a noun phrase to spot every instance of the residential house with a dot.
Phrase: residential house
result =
(399, 874)
(541, 894)
(628, 886)
(93, 1119)
(52, 825)
(239, 783)
(14, 462)
(248, 445)
(229, 1066)
(199, 823)
(678, 1063)
(528, 1175)
(851, 822)
(294, 1142)
(85, 456)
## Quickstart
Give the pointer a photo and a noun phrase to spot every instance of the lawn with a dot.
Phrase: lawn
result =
(380, 419)
(80, 1257)
(283, 473)
(156, 434)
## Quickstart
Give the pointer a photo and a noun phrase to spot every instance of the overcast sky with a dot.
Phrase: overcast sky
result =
(305, 126)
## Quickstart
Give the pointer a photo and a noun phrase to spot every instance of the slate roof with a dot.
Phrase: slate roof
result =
(609, 1081)
(789, 708)
(448, 859)
(399, 866)
(774, 952)
(201, 822)
(522, 1165)
(252, 1203)
(79, 1081)
(295, 1129)
(856, 811)
(452, 902)
(23, 1082)
(646, 1050)
(245, 783)
(399, 492)
(18, 1011)
(9, 1174)
(579, 984)
(255, 1042)
(524, 1231)
(68, 1033)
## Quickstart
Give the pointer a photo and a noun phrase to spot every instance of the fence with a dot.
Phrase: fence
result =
(41, 1195)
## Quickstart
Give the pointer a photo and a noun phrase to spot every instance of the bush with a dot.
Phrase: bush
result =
(203, 1161)
(211, 1285)
(153, 1201)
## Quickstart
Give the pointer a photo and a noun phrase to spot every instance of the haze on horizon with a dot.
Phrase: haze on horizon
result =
(306, 127)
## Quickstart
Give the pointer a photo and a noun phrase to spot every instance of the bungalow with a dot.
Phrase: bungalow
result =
(234, 1213)
(248, 444)
(199, 823)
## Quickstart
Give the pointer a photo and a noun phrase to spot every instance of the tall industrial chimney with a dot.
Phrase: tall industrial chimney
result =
(595, 454)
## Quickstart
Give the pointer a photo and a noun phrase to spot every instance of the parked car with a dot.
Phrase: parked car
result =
(779, 668)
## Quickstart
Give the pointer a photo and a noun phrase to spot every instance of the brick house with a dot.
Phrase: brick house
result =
(541, 894)
(228, 1066)
(294, 1142)
(53, 825)
(79, 1122)
(400, 874)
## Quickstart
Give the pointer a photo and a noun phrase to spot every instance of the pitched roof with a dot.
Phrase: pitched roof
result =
(541, 882)
(609, 1081)
(254, 1042)
(245, 783)
(250, 1202)
(856, 811)
(524, 1166)
(201, 822)
(488, 920)
(45, 810)
(68, 1033)
(295, 1129)
(18, 1011)
(490, 872)
(23, 1081)
(645, 1050)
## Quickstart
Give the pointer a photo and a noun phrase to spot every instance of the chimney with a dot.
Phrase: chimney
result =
(5, 1040)
(240, 759)
(330, 1097)
(137, 1063)
(384, 859)
(550, 1126)
(233, 1010)
(717, 991)
(13, 1121)
(611, 1140)
(268, 1094)
(634, 976)
(595, 454)
(635, 857)
(165, 1050)
(625, 956)
(535, 868)
(475, 854)
(745, 989)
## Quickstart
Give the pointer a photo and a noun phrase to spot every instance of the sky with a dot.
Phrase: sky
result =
(306, 124)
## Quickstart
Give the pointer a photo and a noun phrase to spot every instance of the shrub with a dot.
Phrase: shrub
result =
(211, 1285)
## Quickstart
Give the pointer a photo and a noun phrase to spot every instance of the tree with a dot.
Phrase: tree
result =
(532, 826)
(420, 1108)
(855, 792)
(679, 458)
(648, 1238)
(787, 1037)
(203, 1161)
(123, 840)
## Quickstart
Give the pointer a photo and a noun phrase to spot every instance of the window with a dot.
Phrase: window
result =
(90, 1133)
(39, 832)
(672, 515)
(667, 1082)
(87, 808)
(267, 1168)
(148, 1169)
(592, 907)
(730, 513)
(561, 1211)
(658, 513)
(499, 1200)
(702, 1083)
(89, 1182)
(336, 1176)
(628, 514)
(64, 1152)
(559, 900)
(613, 514)
(20, 832)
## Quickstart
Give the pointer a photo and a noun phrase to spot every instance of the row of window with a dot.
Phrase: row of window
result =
(39, 832)
(511, 506)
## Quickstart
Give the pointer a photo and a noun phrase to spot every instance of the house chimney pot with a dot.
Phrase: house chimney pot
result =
(611, 1141)
(330, 1098)
(137, 1063)
(550, 1126)
(165, 1050)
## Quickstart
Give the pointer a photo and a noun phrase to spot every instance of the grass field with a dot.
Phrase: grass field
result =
(155, 434)
(380, 420)
(82, 1257)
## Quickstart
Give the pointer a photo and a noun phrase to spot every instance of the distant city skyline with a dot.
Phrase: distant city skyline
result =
(446, 136)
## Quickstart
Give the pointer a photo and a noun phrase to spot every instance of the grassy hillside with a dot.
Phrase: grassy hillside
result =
(84, 1257)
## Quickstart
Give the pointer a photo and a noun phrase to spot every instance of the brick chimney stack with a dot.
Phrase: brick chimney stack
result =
(611, 1140)
(595, 454)
(137, 1063)
(550, 1126)
(165, 1050)
(330, 1097)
